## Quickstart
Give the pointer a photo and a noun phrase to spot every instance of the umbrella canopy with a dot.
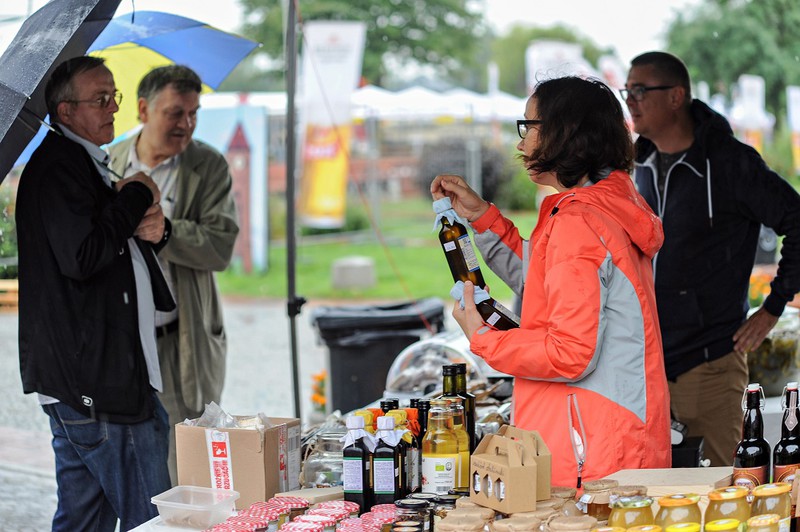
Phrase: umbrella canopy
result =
(135, 43)
(59, 30)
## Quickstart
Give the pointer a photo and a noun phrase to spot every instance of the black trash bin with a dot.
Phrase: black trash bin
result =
(363, 341)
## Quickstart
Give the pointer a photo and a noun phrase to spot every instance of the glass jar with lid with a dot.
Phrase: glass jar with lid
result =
(608, 529)
(678, 508)
(631, 511)
(562, 492)
(323, 467)
(728, 503)
(478, 512)
(764, 523)
(683, 527)
(583, 523)
(773, 498)
(723, 525)
(645, 528)
(444, 503)
(596, 498)
(413, 510)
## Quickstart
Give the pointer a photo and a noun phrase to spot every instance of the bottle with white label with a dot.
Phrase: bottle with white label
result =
(439, 450)
(387, 463)
(357, 461)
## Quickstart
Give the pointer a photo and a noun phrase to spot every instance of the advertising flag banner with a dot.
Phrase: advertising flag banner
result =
(332, 58)
(793, 112)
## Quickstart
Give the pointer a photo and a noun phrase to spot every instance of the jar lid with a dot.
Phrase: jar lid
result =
(304, 527)
(411, 504)
(325, 520)
(555, 503)
(763, 520)
(584, 522)
(728, 493)
(282, 508)
(464, 502)
(645, 528)
(629, 490)
(383, 508)
(256, 521)
(267, 512)
(542, 514)
(446, 498)
(599, 485)
(479, 512)
(608, 529)
(460, 524)
(423, 495)
(679, 499)
(776, 488)
(336, 513)
(461, 492)
(563, 492)
(517, 524)
(683, 527)
(636, 501)
(719, 525)
(350, 506)
(291, 502)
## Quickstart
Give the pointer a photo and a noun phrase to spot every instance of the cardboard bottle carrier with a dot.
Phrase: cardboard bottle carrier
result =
(258, 464)
(510, 471)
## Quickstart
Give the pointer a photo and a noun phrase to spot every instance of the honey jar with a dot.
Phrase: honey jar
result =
(764, 523)
(723, 525)
(728, 503)
(583, 523)
(678, 508)
(596, 498)
(773, 498)
(627, 512)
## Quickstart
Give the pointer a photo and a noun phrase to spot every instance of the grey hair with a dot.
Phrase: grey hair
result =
(59, 87)
(182, 78)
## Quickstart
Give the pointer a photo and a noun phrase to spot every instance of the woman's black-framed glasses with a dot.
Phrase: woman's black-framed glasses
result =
(523, 126)
(637, 92)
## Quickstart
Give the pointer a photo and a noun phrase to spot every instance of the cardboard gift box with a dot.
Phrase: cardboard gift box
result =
(510, 471)
(256, 463)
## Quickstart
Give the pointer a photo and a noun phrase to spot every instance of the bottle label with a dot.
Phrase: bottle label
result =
(785, 524)
(506, 311)
(469, 254)
(439, 473)
(385, 475)
(784, 473)
(749, 477)
(352, 480)
(414, 466)
(449, 246)
(491, 320)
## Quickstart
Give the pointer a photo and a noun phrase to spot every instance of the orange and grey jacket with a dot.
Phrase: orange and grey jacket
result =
(587, 358)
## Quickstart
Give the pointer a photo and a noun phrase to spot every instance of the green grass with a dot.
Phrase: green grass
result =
(409, 262)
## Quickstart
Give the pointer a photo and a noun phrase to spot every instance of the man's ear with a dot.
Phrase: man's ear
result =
(142, 104)
(677, 97)
(64, 110)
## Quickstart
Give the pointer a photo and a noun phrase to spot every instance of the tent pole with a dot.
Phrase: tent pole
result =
(294, 302)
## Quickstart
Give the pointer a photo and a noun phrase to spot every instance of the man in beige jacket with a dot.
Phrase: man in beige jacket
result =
(196, 197)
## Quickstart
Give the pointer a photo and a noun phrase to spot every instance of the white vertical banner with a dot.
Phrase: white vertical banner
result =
(333, 52)
(749, 113)
(793, 112)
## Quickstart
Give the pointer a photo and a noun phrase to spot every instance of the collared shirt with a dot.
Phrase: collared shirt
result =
(144, 292)
(165, 175)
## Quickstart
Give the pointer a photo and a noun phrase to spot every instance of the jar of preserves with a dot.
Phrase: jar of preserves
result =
(460, 524)
(562, 492)
(764, 523)
(631, 511)
(516, 524)
(728, 503)
(413, 510)
(608, 529)
(326, 521)
(583, 523)
(296, 505)
(683, 527)
(628, 490)
(444, 503)
(678, 508)
(270, 508)
(479, 512)
(596, 498)
(430, 500)
(773, 498)
(723, 525)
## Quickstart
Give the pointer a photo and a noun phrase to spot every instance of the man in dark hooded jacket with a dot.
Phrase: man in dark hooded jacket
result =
(712, 194)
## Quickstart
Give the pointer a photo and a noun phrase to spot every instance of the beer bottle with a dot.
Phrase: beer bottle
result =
(786, 455)
(464, 266)
(751, 458)
(439, 450)
(386, 463)
(469, 405)
(356, 466)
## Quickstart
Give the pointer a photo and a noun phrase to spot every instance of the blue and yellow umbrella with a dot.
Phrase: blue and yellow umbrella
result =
(135, 43)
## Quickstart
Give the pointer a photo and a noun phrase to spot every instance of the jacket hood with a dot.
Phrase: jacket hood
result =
(706, 121)
(616, 197)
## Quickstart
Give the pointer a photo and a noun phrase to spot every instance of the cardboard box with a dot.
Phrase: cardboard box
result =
(510, 471)
(256, 464)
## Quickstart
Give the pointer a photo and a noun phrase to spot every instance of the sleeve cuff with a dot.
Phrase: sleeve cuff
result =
(774, 305)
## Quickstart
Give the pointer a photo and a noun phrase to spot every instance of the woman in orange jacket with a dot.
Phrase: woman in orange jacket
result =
(587, 358)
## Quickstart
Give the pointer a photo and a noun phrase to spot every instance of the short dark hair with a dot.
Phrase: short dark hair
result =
(583, 130)
(669, 67)
(182, 78)
(59, 87)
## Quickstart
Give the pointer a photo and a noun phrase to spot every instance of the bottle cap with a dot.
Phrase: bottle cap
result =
(753, 387)
(461, 369)
(355, 422)
(791, 385)
(449, 370)
(386, 423)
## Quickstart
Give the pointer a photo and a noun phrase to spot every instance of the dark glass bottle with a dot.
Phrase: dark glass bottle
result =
(386, 466)
(786, 455)
(390, 403)
(469, 405)
(356, 470)
(751, 458)
(423, 407)
(464, 267)
(450, 391)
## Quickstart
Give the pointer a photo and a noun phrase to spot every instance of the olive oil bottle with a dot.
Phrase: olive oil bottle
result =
(439, 450)
(459, 427)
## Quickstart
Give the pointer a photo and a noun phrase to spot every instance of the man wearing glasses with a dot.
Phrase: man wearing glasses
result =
(712, 194)
(89, 288)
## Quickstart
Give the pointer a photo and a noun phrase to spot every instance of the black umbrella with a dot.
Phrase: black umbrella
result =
(58, 31)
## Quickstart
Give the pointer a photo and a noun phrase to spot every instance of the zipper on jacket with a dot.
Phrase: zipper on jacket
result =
(578, 441)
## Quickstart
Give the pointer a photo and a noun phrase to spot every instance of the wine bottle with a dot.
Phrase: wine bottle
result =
(786, 455)
(751, 458)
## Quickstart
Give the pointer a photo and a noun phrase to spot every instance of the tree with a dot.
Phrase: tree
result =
(445, 34)
(508, 52)
(722, 39)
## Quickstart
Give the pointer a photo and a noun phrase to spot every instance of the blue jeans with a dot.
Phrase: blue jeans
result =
(107, 470)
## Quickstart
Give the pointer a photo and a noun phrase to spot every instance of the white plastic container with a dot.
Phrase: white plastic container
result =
(193, 506)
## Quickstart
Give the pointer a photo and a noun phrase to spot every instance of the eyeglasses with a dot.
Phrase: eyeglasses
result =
(104, 100)
(638, 91)
(523, 126)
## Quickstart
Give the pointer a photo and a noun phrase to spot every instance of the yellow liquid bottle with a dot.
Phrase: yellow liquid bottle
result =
(439, 451)
(462, 478)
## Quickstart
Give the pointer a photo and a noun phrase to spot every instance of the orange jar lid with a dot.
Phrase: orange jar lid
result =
(776, 488)
(726, 494)
(679, 499)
